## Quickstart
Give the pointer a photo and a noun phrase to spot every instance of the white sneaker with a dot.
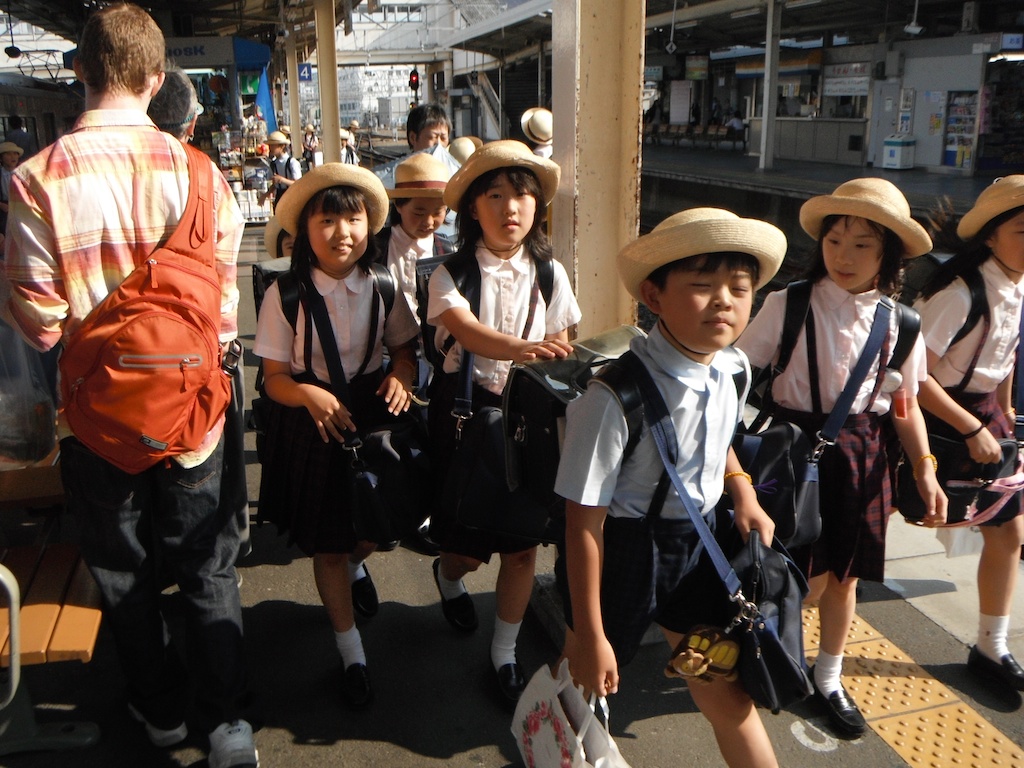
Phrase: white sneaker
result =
(231, 746)
(160, 737)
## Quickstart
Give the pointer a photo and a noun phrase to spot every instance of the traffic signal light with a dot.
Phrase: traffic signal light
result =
(414, 80)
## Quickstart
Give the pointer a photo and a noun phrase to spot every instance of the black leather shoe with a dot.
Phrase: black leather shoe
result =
(460, 611)
(364, 595)
(419, 541)
(1006, 670)
(843, 714)
(355, 686)
(511, 682)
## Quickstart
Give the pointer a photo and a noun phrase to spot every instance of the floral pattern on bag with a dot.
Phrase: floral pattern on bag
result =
(536, 718)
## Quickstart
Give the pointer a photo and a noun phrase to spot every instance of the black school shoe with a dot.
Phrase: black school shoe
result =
(1006, 670)
(511, 683)
(364, 595)
(843, 715)
(355, 686)
(460, 611)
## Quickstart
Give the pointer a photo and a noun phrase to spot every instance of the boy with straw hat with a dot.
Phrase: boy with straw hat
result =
(624, 564)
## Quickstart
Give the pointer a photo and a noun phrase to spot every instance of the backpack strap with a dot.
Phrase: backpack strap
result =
(798, 305)
(909, 322)
(979, 304)
(620, 377)
(546, 278)
(288, 285)
(384, 284)
(194, 234)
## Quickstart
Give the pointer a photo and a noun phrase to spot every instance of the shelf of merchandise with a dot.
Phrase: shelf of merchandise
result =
(245, 172)
(961, 129)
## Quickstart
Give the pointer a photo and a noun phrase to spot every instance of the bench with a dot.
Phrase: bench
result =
(51, 613)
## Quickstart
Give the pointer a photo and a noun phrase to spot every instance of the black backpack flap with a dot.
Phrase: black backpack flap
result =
(477, 490)
(264, 274)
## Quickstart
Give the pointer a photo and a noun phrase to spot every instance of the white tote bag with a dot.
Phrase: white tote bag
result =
(555, 727)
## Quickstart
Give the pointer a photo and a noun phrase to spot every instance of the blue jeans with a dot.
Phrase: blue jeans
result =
(135, 529)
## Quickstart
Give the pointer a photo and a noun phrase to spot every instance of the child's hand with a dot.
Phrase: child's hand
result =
(330, 416)
(592, 664)
(984, 448)
(396, 393)
(750, 516)
(548, 349)
(935, 501)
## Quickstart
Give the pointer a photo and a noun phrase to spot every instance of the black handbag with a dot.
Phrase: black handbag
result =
(976, 492)
(477, 488)
(762, 582)
(390, 470)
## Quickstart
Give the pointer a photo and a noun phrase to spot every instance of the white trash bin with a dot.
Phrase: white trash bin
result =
(899, 151)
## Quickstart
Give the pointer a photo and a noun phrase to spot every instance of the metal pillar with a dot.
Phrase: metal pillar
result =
(291, 61)
(327, 68)
(597, 112)
(771, 88)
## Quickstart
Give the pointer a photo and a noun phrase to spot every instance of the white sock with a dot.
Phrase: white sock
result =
(449, 589)
(503, 644)
(992, 631)
(827, 672)
(355, 571)
(350, 646)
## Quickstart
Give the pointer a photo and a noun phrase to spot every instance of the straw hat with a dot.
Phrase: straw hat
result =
(502, 154)
(276, 137)
(334, 175)
(345, 134)
(874, 199)
(287, 130)
(354, 125)
(1000, 196)
(10, 146)
(464, 146)
(419, 175)
(310, 128)
(536, 124)
(698, 231)
(271, 234)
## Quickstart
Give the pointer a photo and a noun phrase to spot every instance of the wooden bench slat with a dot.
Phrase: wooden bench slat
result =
(79, 623)
(22, 562)
(41, 603)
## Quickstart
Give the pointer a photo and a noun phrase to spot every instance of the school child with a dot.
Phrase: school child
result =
(864, 231)
(697, 271)
(419, 210)
(968, 394)
(277, 242)
(501, 195)
(333, 210)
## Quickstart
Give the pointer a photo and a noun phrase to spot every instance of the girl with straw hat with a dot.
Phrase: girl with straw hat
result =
(968, 395)
(501, 195)
(334, 211)
(864, 231)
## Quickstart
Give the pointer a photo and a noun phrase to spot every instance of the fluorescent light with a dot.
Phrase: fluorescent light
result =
(801, 3)
(687, 24)
(913, 28)
(745, 13)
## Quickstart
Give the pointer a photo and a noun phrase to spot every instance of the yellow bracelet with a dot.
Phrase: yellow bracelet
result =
(931, 456)
(739, 474)
(1011, 415)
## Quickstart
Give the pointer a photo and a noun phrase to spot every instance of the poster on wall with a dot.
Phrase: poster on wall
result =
(679, 102)
(906, 123)
(696, 68)
(936, 102)
(907, 99)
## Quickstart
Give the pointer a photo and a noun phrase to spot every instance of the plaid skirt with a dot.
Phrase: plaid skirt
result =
(445, 528)
(986, 407)
(306, 485)
(856, 495)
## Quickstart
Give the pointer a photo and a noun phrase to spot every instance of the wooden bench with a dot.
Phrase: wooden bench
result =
(51, 613)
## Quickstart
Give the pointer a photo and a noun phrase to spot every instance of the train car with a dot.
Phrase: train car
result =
(47, 109)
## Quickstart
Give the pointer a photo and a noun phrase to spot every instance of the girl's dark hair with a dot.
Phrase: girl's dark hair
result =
(338, 199)
(523, 181)
(279, 245)
(706, 263)
(967, 255)
(890, 271)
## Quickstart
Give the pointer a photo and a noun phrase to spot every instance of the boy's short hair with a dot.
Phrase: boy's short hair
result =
(121, 47)
(705, 263)
(425, 116)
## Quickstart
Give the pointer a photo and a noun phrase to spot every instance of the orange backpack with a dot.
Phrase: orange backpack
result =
(141, 379)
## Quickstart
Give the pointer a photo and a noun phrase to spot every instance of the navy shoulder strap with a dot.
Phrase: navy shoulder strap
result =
(620, 377)
(288, 285)
(384, 284)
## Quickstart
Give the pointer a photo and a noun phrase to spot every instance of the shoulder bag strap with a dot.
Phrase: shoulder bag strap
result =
(325, 331)
(194, 234)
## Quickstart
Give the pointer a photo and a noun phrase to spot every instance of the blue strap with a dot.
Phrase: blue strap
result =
(659, 421)
(879, 327)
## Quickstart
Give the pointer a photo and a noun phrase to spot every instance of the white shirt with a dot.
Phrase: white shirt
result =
(505, 287)
(705, 409)
(943, 315)
(348, 305)
(842, 322)
(403, 253)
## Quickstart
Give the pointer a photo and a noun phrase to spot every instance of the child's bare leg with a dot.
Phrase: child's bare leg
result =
(330, 571)
(998, 566)
(515, 584)
(836, 609)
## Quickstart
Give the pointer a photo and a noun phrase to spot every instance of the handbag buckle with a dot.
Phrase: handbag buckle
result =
(460, 419)
(819, 449)
(746, 614)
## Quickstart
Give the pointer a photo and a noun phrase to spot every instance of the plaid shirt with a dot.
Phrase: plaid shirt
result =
(90, 207)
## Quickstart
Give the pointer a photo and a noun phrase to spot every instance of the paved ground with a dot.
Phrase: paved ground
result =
(435, 705)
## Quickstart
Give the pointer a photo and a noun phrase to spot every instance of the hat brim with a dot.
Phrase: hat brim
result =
(763, 241)
(502, 154)
(914, 237)
(334, 175)
(999, 197)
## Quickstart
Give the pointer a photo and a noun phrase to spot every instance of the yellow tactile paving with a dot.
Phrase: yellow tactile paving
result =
(923, 721)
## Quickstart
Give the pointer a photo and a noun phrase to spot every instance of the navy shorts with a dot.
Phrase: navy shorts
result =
(653, 572)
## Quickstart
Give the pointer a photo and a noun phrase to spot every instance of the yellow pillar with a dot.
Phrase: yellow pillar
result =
(327, 67)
